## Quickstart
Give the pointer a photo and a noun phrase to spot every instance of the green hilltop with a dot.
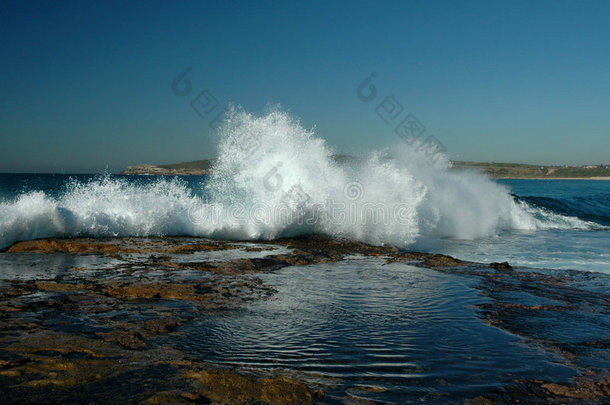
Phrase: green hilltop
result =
(495, 170)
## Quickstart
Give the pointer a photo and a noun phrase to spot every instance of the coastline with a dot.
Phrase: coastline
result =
(599, 178)
(178, 280)
(494, 170)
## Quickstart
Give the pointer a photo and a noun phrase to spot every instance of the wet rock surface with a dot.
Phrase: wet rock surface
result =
(104, 329)
(101, 329)
(557, 312)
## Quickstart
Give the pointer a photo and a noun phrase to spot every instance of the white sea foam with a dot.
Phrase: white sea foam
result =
(273, 178)
(103, 207)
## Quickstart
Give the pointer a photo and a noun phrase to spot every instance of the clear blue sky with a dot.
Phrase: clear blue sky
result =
(85, 85)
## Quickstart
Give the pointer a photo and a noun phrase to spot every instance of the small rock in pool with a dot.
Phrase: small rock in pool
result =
(501, 266)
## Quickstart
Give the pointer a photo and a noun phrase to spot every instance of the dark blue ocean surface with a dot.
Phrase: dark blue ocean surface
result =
(586, 199)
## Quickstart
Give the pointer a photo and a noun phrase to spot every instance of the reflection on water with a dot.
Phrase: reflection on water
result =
(32, 266)
(389, 333)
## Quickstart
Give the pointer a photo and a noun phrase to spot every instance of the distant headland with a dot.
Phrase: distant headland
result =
(492, 169)
(195, 168)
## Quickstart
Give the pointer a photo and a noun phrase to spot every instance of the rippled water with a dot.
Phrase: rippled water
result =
(388, 333)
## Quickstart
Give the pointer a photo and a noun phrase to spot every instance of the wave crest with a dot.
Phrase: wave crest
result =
(273, 178)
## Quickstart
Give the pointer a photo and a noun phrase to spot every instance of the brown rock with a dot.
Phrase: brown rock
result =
(228, 387)
(67, 246)
(501, 266)
(195, 398)
(161, 325)
(127, 340)
(430, 260)
(152, 290)
(480, 400)
(58, 287)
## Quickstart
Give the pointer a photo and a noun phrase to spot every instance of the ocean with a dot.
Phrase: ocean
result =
(571, 217)
(577, 237)
(275, 179)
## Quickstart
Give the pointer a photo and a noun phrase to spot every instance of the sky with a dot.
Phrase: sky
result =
(90, 86)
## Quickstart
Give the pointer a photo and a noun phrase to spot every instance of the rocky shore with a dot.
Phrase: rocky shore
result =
(102, 328)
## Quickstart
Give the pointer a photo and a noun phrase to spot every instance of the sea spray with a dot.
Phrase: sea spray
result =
(269, 166)
(291, 171)
(273, 178)
(102, 207)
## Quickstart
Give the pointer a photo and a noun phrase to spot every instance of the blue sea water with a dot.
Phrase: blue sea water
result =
(573, 230)
(575, 248)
